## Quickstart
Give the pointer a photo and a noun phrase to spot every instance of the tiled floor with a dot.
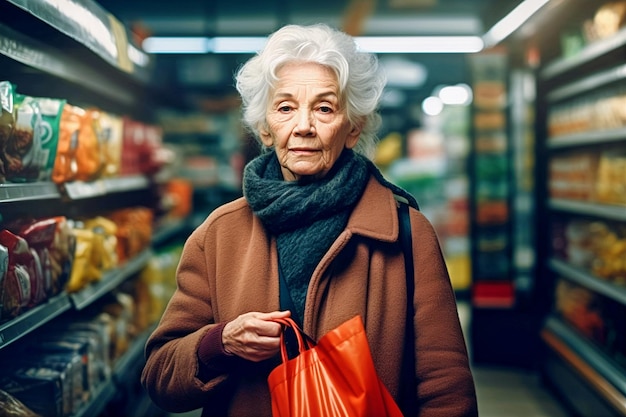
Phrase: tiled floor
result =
(510, 392)
(502, 392)
(513, 393)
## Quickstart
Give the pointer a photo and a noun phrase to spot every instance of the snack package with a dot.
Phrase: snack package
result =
(90, 156)
(12, 407)
(22, 153)
(7, 120)
(111, 134)
(41, 389)
(45, 113)
(82, 271)
(104, 252)
(50, 244)
(65, 167)
(132, 140)
(19, 280)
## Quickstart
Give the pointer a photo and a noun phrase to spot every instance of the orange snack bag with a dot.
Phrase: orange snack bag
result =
(65, 163)
(89, 153)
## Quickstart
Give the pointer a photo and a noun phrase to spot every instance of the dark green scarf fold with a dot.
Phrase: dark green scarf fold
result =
(307, 216)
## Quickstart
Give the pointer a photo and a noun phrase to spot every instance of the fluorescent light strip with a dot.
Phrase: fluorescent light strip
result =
(420, 44)
(376, 44)
(237, 45)
(512, 21)
(176, 45)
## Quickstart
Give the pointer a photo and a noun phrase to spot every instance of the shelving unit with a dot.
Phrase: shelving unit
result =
(12, 332)
(584, 353)
(79, 52)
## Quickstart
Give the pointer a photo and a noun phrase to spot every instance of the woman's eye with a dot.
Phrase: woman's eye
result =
(326, 109)
(284, 109)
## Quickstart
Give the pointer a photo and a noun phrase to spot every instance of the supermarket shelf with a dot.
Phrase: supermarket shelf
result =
(26, 192)
(587, 138)
(98, 400)
(591, 364)
(588, 54)
(86, 22)
(39, 315)
(607, 289)
(32, 319)
(77, 190)
(80, 190)
(109, 281)
(131, 357)
(168, 229)
(614, 212)
(44, 58)
(588, 84)
(106, 392)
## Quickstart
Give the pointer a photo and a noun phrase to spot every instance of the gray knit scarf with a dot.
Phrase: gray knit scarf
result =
(306, 216)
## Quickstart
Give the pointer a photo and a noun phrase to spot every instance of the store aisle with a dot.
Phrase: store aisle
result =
(510, 392)
(513, 393)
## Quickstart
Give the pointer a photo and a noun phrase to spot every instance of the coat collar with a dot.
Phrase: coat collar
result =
(376, 214)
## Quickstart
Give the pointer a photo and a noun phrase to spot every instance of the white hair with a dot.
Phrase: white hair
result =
(361, 81)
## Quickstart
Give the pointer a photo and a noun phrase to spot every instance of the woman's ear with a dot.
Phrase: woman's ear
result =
(266, 137)
(353, 136)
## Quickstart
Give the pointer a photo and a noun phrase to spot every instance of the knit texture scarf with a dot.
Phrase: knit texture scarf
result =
(306, 216)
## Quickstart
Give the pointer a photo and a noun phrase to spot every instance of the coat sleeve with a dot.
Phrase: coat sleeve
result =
(170, 374)
(445, 385)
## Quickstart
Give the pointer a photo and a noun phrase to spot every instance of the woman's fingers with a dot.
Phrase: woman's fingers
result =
(253, 336)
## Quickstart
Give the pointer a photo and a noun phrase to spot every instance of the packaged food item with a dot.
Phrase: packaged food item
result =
(65, 165)
(96, 329)
(37, 158)
(132, 140)
(111, 133)
(17, 291)
(134, 231)
(41, 389)
(63, 344)
(12, 407)
(22, 154)
(67, 364)
(609, 18)
(82, 271)
(4, 269)
(148, 151)
(90, 156)
(104, 251)
(121, 308)
(7, 120)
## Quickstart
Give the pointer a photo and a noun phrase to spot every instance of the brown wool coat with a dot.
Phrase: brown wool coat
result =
(229, 267)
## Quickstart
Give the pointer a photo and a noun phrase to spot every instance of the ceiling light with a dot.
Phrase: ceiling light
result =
(175, 45)
(232, 45)
(420, 44)
(432, 106)
(460, 94)
(512, 21)
(375, 44)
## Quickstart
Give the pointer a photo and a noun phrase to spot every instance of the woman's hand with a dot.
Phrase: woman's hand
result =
(254, 336)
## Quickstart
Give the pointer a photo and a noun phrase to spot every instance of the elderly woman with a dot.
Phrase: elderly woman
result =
(318, 215)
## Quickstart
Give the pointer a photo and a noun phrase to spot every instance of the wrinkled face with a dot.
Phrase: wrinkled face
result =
(308, 126)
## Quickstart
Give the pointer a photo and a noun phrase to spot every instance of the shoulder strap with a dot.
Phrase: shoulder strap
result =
(407, 394)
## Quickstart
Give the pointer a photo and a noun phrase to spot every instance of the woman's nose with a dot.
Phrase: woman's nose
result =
(305, 125)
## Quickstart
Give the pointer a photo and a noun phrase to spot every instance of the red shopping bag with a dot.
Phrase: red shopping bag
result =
(335, 377)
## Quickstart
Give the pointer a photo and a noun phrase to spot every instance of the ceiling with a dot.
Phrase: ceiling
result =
(201, 77)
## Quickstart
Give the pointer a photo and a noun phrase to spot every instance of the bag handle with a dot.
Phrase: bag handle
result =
(304, 341)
